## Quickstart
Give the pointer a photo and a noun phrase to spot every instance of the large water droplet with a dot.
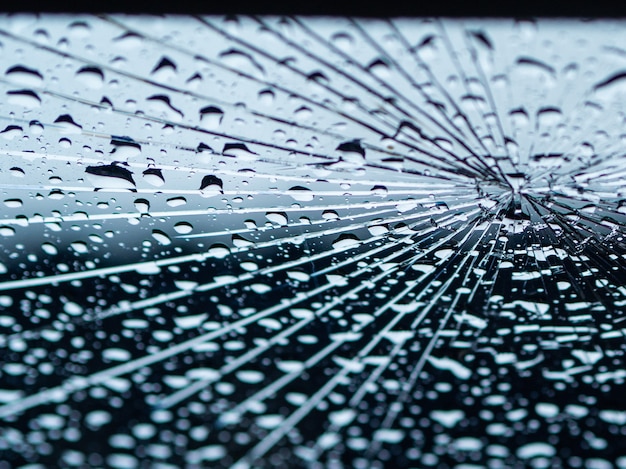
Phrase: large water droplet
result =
(110, 176)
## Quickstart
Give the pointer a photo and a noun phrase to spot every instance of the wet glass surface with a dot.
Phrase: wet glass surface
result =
(311, 242)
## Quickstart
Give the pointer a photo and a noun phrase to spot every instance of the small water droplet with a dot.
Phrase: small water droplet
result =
(13, 203)
(17, 172)
(161, 237)
(7, 231)
(219, 250)
(67, 124)
(25, 98)
(183, 227)
(342, 41)
(211, 183)
(345, 241)
(154, 176)
(266, 97)
(379, 68)
(238, 150)
(165, 70)
(128, 40)
(49, 248)
(142, 205)
(242, 62)
(80, 247)
(279, 218)
(301, 194)
(211, 117)
(161, 104)
(176, 201)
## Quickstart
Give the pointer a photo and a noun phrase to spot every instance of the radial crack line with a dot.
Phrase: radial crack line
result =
(138, 266)
(178, 396)
(422, 112)
(214, 211)
(201, 170)
(164, 297)
(433, 79)
(168, 88)
(268, 442)
(411, 104)
(410, 383)
(574, 272)
(275, 85)
(368, 88)
(257, 80)
(78, 383)
(276, 385)
(400, 241)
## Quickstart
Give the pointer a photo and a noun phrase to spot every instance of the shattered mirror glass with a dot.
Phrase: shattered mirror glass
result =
(311, 242)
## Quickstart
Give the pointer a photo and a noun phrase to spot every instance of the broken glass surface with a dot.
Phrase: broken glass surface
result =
(311, 242)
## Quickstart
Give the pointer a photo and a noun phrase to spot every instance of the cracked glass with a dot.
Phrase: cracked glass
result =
(311, 242)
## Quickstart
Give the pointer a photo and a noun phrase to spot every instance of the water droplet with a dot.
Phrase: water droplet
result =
(125, 147)
(17, 172)
(97, 418)
(183, 227)
(176, 201)
(49, 248)
(154, 176)
(379, 68)
(80, 247)
(161, 105)
(161, 237)
(303, 113)
(533, 450)
(345, 241)
(249, 266)
(211, 117)
(24, 76)
(11, 132)
(7, 231)
(279, 218)
(211, 184)
(142, 205)
(266, 97)
(250, 376)
(165, 70)
(73, 309)
(35, 127)
(79, 29)
(298, 275)
(67, 124)
(91, 77)
(219, 250)
(343, 41)
(110, 176)
(128, 40)
(242, 62)
(238, 150)
(13, 203)
(26, 98)
(301, 194)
